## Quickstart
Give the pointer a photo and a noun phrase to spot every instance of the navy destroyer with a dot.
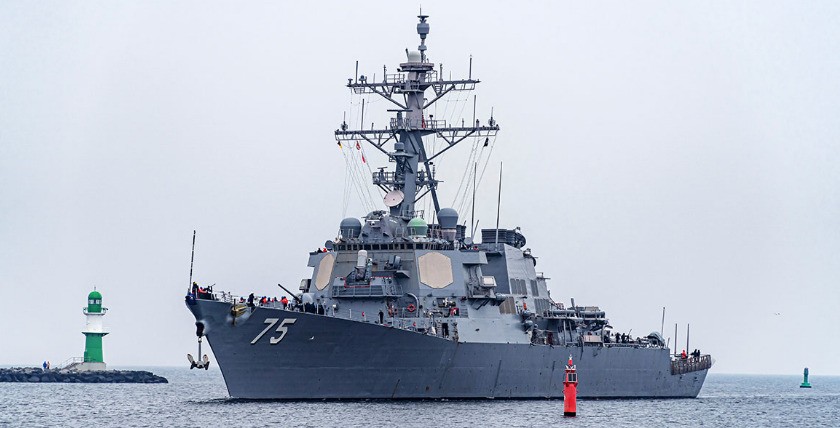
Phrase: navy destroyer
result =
(401, 307)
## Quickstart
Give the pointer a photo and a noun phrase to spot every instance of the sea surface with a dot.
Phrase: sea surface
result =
(198, 398)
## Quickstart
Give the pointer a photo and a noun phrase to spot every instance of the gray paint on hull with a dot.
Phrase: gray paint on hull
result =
(323, 357)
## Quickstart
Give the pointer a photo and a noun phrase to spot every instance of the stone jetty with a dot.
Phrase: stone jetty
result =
(33, 374)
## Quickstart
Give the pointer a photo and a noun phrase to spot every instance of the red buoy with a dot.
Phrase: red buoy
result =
(570, 390)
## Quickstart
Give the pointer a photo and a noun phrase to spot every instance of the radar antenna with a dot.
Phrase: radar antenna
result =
(413, 175)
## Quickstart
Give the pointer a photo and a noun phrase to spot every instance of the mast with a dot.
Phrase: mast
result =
(687, 336)
(413, 176)
(472, 210)
(662, 327)
(499, 205)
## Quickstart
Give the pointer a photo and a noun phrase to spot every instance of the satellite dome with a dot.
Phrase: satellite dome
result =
(350, 227)
(414, 56)
(418, 227)
(448, 218)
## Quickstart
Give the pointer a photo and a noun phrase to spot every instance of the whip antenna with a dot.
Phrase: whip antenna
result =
(192, 258)
(472, 215)
(499, 204)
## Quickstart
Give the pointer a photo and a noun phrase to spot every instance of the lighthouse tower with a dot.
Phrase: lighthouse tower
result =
(93, 333)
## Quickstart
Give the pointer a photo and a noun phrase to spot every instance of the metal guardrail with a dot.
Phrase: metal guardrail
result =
(422, 123)
(691, 364)
(401, 317)
(68, 362)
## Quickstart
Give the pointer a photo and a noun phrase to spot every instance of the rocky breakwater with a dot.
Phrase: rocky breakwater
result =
(32, 374)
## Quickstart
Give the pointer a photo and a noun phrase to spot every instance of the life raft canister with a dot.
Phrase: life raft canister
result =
(411, 307)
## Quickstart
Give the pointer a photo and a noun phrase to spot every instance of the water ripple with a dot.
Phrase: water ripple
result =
(199, 399)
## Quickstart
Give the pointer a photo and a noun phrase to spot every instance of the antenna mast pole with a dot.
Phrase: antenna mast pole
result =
(662, 328)
(472, 214)
(192, 258)
(676, 344)
(499, 203)
(687, 336)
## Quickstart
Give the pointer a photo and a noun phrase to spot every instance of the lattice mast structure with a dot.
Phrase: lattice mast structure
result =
(414, 175)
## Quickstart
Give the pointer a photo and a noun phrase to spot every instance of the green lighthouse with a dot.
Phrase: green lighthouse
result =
(93, 332)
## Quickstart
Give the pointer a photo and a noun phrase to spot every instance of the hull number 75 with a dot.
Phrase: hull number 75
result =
(282, 329)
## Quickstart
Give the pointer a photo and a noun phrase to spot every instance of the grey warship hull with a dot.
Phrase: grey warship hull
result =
(400, 307)
(324, 357)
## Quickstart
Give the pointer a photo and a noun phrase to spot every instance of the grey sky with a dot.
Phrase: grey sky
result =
(656, 154)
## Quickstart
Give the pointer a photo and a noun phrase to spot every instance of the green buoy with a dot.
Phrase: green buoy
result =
(805, 383)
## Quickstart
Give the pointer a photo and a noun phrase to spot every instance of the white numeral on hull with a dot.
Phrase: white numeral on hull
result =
(282, 329)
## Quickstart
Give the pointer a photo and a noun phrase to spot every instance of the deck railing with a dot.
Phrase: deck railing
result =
(691, 364)
(413, 319)
(421, 321)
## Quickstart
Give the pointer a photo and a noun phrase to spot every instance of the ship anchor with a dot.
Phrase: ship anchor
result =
(203, 362)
